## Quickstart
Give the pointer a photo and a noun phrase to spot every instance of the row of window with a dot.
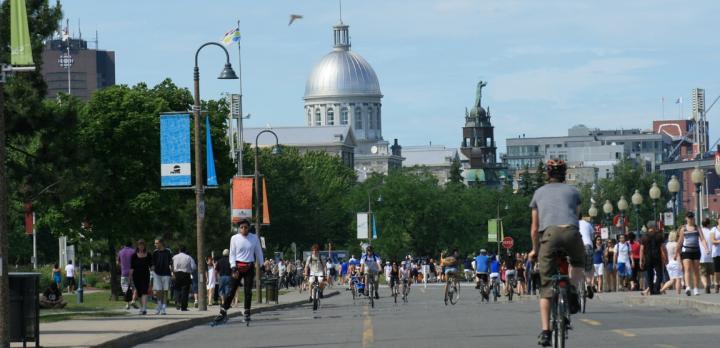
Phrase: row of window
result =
(373, 118)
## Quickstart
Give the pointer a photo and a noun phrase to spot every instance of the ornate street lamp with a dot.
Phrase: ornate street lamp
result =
(275, 150)
(622, 205)
(593, 211)
(607, 209)
(673, 187)
(655, 195)
(697, 177)
(637, 201)
(226, 74)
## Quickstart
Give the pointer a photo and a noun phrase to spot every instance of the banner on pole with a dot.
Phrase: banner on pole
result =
(363, 230)
(175, 150)
(374, 227)
(241, 198)
(211, 176)
(266, 205)
(493, 230)
(20, 49)
(669, 219)
(29, 218)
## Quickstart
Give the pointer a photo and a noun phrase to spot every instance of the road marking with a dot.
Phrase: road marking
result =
(624, 333)
(368, 335)
(591, 322)
(665, 345)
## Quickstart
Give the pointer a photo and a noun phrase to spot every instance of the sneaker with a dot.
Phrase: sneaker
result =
(127, 306)
(707, 289)
(143, 312)
(377, 297)
(696, 292)
(590, 292)
(688, 291)
(574, 300)
(545, 338)
(134, 305)
(196, 304)
(162, 311)
(222, 316)
(158, 309)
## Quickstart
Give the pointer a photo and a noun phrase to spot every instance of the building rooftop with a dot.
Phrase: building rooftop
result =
(302, 136)
(429, 155)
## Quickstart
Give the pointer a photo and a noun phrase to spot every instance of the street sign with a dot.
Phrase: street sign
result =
(669, 219)
(507, 242)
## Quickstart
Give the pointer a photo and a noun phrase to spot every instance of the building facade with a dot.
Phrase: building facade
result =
(91, 69)
(343, 90)
(435, 159)
(336, 140)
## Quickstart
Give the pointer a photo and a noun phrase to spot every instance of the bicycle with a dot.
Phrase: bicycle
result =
(315, 291)
(484, 291)
(495, 288)
(560, 305)
(395, 289)
(511, 285)
(582, 292)
(405, 289)
(372, 288)
(453, 289)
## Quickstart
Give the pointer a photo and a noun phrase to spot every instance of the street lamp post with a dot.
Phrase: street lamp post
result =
(655, 195)
(674, 187)
(607, 209)
(226, 74)
(637, 201)
(593, 212)
(697, 177)
(622, 206)
(276, 150)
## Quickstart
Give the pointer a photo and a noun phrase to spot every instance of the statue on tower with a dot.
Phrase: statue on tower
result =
(478, 93)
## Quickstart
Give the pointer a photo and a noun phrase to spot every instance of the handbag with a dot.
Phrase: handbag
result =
(243, 267)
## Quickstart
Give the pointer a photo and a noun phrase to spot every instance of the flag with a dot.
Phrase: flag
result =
(211, 176)
(266, 204)
(20, 50)
(175, 150)
(678, 100)
(233, 35)
(374, 228)
(29, 219)
(241, 198)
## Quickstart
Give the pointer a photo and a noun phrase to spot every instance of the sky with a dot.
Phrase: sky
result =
(548, 64)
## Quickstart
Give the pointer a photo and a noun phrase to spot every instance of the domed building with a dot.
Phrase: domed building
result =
(343, 90)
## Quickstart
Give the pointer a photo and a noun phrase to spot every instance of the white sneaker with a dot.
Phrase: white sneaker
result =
(696, 292)
(687, 291)
(162, 311)
(158, 309)
(127, 306)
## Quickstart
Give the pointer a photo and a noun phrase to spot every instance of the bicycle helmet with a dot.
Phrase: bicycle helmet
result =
(556, 169)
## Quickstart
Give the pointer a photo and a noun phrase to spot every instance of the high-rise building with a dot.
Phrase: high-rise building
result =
(89, 69)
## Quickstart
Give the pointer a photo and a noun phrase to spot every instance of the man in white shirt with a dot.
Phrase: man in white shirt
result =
(183, 266)
(70, 276)
(586, 232)
(245, 251)
(370, 265)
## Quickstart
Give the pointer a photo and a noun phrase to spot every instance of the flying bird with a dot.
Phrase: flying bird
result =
(293, 17)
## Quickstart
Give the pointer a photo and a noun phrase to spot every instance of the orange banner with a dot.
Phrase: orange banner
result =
(266, 205)
(241, 198)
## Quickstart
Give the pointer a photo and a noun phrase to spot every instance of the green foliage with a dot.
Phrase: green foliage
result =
(456, 173)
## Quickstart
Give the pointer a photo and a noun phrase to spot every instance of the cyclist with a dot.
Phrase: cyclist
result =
(406, 273)
(370, 266)
(509, 262)
(315, 268)
(482, 266)
(450, 264)
(394, 276)
(554, 231)
(494, 271)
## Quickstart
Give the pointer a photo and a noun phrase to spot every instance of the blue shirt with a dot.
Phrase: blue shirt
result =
(344, 267)
(481, 264)
(495, 267)
(598, 256)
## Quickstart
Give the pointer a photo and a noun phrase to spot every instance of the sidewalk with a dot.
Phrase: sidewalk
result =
(133, 329)
(704, 303)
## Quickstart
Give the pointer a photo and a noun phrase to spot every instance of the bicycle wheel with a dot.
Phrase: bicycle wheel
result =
(316, 298)
(455, 295)
(353, 289)
(495, 291)
(583, 297)
(511, 290)
(372, 295)
(561, 319)
(395, 293)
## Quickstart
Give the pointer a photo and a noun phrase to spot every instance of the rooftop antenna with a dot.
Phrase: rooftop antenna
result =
(97, 45)
(79, 30)
(340, 2)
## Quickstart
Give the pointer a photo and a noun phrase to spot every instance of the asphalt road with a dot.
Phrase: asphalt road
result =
(425, 321)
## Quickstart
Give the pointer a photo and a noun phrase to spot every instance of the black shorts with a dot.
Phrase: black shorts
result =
(690, 254)
(716, 260)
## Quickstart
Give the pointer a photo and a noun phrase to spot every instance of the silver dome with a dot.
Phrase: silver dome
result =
(342, 72)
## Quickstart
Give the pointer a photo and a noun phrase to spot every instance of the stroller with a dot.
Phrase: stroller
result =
(357, 287)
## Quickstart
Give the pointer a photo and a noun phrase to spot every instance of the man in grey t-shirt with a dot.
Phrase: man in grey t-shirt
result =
(555, 207)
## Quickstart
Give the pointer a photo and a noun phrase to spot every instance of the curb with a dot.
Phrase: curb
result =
(137, 338)
(699, 305)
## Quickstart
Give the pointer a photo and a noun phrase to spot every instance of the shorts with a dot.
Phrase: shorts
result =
(494, 275)
(558, 239)
(482, 276)
(599, 269)
(224, 286)
(707, 268)
(449, 270)
(674, 270)
(716, 261)
(125, 284)
(510, 273)
(623, 269)
(690, 254)
(312, 277)
(70, 281)
(588, 258)
(161, 282)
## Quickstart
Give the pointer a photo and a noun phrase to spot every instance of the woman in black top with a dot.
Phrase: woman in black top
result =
(140, 273)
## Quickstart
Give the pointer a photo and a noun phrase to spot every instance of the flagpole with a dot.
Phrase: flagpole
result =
(663, 108)
(240, 143)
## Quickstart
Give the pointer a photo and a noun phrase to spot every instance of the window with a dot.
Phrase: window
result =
(343, 116)
(317, 117)
(371, 119)
(378, 119)
(330, 117)
(358, 118)
(309, 117)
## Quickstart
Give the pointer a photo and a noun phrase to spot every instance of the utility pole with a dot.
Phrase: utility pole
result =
(4, 281)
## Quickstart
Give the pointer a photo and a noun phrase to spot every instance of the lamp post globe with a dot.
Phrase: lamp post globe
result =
(637, 201)
(593, 211)
(622, 205)
(607, 209)
(654, 195)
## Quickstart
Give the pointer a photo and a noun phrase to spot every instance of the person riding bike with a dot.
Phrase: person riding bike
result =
(315, 268)
(394, 275)
(450, 264)
(554, 232)
(482, 267)
(510, 273)
(370, 266)
(494, 270)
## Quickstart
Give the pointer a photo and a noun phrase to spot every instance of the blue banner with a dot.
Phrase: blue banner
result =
(175, 165)
(374, 228)
(211, 176)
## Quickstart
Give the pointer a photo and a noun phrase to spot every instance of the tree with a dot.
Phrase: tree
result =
(456, 173)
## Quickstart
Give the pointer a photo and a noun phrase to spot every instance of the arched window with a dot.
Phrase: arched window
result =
(318, 121)
(371, 119)
(344, 116)
(330, 117)
(309, 117)
(358, 118)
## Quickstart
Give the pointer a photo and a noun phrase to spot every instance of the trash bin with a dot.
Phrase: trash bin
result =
(25, 308)
(271, 289)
